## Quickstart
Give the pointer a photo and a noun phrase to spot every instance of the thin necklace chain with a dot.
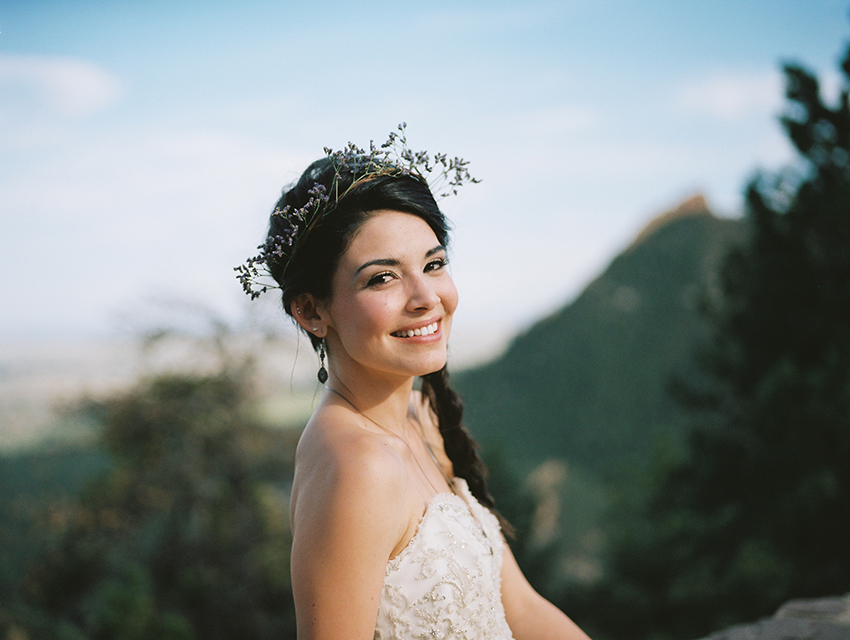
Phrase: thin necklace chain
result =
(433, 458)
(406, 443)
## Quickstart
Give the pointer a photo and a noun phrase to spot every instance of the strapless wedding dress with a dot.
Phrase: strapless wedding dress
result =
(446, 582)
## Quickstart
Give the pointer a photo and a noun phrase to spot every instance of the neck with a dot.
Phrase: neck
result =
(386, 402)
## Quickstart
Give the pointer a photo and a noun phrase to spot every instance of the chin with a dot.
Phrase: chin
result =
(433, 367)
(420, 363)
(421, 367)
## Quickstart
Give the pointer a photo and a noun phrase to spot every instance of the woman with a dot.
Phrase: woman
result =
(393, 530)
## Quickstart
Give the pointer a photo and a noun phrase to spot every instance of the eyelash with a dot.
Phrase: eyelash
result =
(382, 278)
(439, 264)
(379, 278)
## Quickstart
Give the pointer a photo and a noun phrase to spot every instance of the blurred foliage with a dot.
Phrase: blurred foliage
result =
(185, 535)
(758, 511)
(175, 524)
(35, 489)
(554, 510)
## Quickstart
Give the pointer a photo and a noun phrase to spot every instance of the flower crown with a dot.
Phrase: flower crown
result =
(443, 176)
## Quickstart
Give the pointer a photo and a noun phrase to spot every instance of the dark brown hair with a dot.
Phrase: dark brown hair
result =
(311, 267)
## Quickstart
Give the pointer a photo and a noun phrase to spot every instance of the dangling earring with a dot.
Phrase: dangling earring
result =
(323, 373)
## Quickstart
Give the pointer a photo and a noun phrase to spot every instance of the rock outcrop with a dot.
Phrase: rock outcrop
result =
(818, 619)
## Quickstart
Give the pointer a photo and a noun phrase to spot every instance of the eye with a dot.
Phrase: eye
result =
(380, 278)
(436, 265)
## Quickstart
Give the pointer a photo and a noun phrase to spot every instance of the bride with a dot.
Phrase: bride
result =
(394, 532)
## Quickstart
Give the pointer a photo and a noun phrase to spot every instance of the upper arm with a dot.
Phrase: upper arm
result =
(530, 616)
(346, 523)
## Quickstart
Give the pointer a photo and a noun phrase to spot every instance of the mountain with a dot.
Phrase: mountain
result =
(589, 383)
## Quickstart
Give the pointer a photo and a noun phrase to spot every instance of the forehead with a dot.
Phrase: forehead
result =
(391, 234)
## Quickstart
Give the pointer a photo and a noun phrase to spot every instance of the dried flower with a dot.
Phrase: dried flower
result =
(393, 158)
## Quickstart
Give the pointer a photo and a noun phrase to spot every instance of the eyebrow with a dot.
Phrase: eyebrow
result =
(393, 262)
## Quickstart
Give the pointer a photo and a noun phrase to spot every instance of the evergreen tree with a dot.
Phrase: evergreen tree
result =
(186, 534)
(759, 511)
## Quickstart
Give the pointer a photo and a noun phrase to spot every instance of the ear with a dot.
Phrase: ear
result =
(308, 312)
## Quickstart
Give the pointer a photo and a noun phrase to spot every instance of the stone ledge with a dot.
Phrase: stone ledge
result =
(816, 619)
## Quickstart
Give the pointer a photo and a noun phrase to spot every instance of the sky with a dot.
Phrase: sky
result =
(143, 144)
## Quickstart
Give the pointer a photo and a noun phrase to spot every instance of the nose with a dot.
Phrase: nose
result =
(422, 295)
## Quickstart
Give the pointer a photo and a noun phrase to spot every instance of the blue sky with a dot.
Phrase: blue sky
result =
(144, 143)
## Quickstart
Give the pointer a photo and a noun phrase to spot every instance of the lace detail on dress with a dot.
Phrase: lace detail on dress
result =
(446, 583)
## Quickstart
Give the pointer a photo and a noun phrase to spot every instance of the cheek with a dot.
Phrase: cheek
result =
(449, 296)
(370, 316)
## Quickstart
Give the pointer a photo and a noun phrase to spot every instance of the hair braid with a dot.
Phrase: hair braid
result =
(459, 444)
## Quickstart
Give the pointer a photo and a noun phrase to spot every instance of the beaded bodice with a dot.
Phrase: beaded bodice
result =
(446, 581)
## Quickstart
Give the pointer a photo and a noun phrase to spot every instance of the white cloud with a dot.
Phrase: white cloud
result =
(64, 86)
(732, 96)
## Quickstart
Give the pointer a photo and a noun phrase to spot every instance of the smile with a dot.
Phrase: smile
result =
(421, 331)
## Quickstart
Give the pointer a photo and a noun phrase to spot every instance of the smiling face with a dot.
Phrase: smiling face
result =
(392, 300)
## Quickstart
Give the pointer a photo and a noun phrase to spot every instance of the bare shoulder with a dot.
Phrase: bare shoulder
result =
(341, 467)
(350, 510)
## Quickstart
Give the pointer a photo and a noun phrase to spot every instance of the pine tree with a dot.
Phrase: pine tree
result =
(759, 511)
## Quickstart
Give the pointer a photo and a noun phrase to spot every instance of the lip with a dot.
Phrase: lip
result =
(420, 325)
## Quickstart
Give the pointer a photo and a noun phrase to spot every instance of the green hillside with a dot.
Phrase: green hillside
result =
(590, 383)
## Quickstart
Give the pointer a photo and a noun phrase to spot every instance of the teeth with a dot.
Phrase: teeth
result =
(421, 331)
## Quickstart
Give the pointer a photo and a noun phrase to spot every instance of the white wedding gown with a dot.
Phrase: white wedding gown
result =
(446, 581)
